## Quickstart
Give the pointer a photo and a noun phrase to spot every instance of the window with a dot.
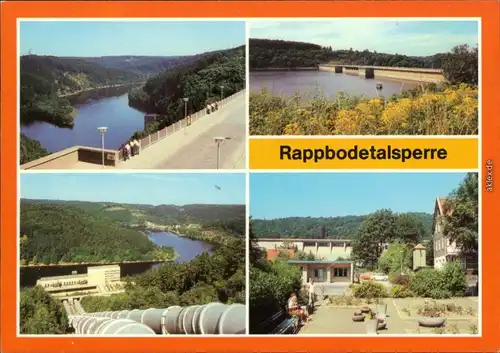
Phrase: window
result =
(340, 272)
(316, 273)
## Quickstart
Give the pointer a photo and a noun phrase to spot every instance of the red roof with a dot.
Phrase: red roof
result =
(272, 254)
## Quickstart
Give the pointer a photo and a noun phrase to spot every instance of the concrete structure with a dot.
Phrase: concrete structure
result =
(76, 157)
(99, 280)
(444, 249)
(209, 319)
(173, 147)
(397, 73)
(324, 249)
(325, 271)
(419, 257)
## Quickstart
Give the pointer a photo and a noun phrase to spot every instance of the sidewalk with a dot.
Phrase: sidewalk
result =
(197, 149)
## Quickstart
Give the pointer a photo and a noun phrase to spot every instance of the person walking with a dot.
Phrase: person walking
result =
(311, 291)
(124, 152)
(127, 148)
(137, 146)
(132, 148)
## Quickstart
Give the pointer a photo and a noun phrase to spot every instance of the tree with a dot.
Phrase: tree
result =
(461, 214)
(461, 65)
(396, 259)
(376, 231)
(409, 229)
(429, 253)
(40, 313)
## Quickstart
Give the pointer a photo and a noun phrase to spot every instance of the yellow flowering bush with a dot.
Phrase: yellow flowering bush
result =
(436, 110)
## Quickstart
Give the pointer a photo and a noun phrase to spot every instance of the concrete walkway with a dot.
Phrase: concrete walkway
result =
(338, 321)
(197, 148)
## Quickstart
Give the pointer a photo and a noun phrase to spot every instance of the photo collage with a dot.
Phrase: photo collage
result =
(249, 177)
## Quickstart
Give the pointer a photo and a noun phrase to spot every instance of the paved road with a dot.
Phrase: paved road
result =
(195, 147)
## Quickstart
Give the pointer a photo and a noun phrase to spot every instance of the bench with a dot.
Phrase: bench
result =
(281, 323)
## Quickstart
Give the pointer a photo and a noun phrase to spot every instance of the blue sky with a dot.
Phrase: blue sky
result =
(139, 188)
(156, 38)
(342, 194)
(417, 38)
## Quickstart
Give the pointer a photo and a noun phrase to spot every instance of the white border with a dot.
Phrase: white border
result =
(248, 21)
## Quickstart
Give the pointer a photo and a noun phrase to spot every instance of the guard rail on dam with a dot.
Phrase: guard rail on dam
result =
(208, 319)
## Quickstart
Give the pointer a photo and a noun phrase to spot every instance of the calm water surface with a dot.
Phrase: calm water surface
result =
(100, 107)
(329, 83)
(188, 249)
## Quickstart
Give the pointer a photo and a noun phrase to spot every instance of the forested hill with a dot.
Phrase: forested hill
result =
(146, 65)
(63, 75)
(267, 53)
(53, 233)
(230, 218)
(45, 80)
(324, 227)
(199, 80)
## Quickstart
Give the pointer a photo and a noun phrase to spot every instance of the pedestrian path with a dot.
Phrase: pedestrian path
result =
(194, 147)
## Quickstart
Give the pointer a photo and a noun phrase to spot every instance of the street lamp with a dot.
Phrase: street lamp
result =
(186, 99)
(102, 130)
(218, 141)
(221, 92)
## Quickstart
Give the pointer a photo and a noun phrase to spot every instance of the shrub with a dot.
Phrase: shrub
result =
(455, 278)
(430, 283)
(370, 289)
(400, 291)
(397, 278)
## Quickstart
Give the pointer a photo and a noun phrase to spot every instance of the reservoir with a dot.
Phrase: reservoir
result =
(100, 107)
(308, 82)
(187, 249)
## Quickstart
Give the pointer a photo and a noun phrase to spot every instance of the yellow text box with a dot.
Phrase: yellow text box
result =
(364, 153)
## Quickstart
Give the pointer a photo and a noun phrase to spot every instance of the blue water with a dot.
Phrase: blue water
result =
(187, 248)
(107, 108)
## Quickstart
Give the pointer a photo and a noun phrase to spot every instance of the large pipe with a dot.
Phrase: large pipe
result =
(233, 320)
(187, 320)
(152, 318)
(209, 317)
(169, 320)
(213, 318)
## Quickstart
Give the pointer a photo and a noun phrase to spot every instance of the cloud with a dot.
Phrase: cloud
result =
(403, 37)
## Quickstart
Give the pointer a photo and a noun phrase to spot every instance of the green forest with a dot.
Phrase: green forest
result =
(45, 80)
(72, 231)
(344, 227)
(219, 277)
(271, 53)
(199, 81)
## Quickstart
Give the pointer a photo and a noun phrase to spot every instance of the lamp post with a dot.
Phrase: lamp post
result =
(185, 99)
(218, 141)
(221, 93)
(102, 130)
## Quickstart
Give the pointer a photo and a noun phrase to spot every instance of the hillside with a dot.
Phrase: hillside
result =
(310, 227)
(145, 65)
(45, 80)
(266, 53)
(227, 218)
(53, 233)
(199, 80)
